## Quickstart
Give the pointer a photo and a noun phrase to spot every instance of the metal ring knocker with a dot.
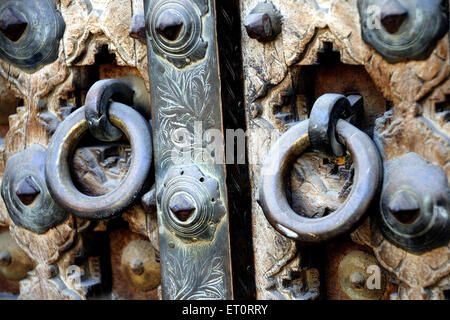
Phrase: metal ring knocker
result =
(96, 107)
(63, 144)
(367, 177)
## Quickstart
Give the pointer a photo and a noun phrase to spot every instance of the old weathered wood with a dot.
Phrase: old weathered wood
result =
(95, 45)
(405, 110)
(319, 50)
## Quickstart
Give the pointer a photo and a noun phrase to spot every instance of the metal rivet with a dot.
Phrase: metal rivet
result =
(263, 23)
(357, 280)
(393, 15)
(27, 191)
(53, 271)
(12, 24)
(169, 25)
(404, 207)
(137, 27)
(137, 266)
(5, 258)
(182, 207)
(352, 272)
(148, 201)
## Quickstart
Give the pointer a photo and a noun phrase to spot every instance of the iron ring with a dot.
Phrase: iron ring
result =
(272, 194)
(62, 146)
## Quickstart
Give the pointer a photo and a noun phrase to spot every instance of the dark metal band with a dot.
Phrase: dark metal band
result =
(191, 195)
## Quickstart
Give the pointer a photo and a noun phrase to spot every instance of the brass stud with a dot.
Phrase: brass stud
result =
(137, 266)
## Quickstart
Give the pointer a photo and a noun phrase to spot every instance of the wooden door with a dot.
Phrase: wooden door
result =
(276, 60)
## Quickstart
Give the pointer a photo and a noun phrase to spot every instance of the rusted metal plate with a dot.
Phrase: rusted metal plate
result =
(191, 193)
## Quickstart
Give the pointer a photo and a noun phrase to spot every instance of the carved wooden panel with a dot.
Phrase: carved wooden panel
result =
(320, 49)
(72, 260)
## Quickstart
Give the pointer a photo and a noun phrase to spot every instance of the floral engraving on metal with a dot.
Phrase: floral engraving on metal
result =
(30, 32)
(175, 30)
(203, 279)
(188, 96)
(191, 194)
(400, 29)
(25, 192)
(191, 204)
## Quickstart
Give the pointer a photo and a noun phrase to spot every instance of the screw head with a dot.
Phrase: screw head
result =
(27, 191)
(5, 258)
(393, 15)
(12, 24)
(169, 25)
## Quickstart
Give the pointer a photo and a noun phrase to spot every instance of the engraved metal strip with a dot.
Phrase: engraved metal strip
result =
(191, 194)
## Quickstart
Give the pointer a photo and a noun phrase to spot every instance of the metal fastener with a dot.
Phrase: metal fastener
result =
(12, 24)
(357, 280)
(137, 27)
(169, 25)
(263, 23)
(182, 206)
(393, 15)
(5, 258)
(27, 191)
(354, 275)
(138, 264)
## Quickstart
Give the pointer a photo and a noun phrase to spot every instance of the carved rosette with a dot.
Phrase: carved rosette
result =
(30, 33)
(174, 29)
(191, 203)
